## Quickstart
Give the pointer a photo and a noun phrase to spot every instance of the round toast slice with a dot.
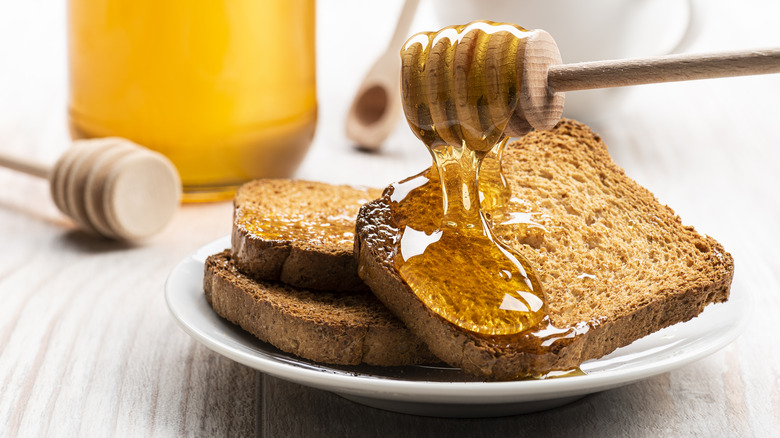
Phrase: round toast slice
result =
(615, 264)
(344, 328)
(298, 232)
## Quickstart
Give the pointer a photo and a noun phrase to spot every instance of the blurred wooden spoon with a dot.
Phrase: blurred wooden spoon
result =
(377, 104)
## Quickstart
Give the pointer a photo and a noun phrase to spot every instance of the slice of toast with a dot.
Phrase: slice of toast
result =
(298, 232)
(614, 263)
(345, 328)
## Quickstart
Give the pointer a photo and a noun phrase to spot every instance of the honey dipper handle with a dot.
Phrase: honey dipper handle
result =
(671, 68)
(24, 165)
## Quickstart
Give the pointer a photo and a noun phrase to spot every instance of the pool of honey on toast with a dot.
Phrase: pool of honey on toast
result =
(418, 201)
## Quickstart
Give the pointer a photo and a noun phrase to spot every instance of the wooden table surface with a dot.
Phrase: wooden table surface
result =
(88, 348)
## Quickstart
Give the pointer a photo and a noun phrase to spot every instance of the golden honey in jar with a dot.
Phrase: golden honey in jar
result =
(224, 88)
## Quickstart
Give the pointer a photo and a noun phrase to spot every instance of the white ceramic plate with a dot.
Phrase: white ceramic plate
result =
(443, 391)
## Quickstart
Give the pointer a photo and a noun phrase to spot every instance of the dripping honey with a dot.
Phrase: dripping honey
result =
(458, 98)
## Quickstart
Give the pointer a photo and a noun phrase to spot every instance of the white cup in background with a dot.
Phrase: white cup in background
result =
(588, 30)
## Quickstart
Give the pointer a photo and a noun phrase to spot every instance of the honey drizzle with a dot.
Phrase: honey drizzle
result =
(460, 91)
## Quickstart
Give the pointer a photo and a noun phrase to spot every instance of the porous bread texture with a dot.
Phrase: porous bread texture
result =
(614, 263)
(607, 241)
(298, 232)
(345, 328)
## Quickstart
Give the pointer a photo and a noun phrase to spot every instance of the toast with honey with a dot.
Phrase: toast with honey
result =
(611, 262)
(298, 232)
(345, 328)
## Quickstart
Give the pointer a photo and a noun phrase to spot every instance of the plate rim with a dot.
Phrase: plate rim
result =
(479, 392)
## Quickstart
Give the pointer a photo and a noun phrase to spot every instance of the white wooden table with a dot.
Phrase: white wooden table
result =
(87, 346)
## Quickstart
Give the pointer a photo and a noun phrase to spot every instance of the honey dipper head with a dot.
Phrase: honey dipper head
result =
(477, 83)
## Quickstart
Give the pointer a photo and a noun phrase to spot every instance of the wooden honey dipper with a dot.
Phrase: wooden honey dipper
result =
(480, 81)
(110, 187)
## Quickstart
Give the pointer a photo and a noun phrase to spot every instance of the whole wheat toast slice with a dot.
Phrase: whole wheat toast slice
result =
(298, 232)
(345, 328)
(615, 264)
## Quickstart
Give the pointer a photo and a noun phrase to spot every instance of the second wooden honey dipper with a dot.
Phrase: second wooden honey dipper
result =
(110, 187)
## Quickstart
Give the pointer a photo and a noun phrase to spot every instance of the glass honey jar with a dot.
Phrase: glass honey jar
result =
(224, 88)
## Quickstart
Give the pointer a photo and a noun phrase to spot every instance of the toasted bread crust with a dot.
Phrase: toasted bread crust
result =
(610, 307)
(345, 328)
(290, 253)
